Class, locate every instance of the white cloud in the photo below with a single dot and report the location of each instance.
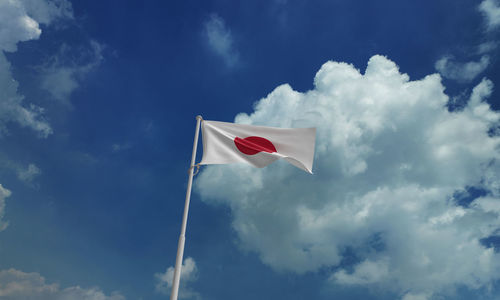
(18, 285)
(463, 72)
(12, 109)
(18, 23)
(411, 296)
(19, 19)
(47, 11)
(389, 158)
(27, 175)
(487, 47)
(189, 274)
(60, 77)
(220, 39)
(467, 71)
(4, 193)
(491, 11)
(366, 272)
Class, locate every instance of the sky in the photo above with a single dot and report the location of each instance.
(98, 101)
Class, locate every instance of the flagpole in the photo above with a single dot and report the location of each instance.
(182, 237)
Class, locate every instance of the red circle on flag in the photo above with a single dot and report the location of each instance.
(254, 144)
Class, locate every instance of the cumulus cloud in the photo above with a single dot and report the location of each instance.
(491, 11)
(18, 22)
(364, 273)
(463, 72)
(16, 25)
(189, 274)
(220, 40)
(4, 193)
(60, 76)
(18, 285)
(47, 11)
(390, 160)
(20, 19)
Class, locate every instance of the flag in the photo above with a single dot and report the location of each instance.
(225, 143)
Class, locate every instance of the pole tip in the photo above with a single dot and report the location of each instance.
(198, 117)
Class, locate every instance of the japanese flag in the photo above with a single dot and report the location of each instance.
(225, 143)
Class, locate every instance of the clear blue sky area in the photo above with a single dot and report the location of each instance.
(97, 115)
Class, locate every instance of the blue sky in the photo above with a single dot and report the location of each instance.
(97, 114)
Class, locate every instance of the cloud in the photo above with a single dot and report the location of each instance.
(467, 71)
(12, 108)
(491, 11)
(18, 285)
(61, 76)
(4, 193)
(46, 12)
(487, 47)
(18, 23)
(120, 147)
(189, 274)
(411, 296)
(390, 161)
(364, 273)
(220, 40)
(27, 175)
(462, 72)
(19, 19)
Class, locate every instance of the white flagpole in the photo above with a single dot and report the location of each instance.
(182, 237)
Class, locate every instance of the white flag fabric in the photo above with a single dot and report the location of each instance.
(225, 143)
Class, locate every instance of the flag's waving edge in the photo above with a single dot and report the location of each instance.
(225, 143)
